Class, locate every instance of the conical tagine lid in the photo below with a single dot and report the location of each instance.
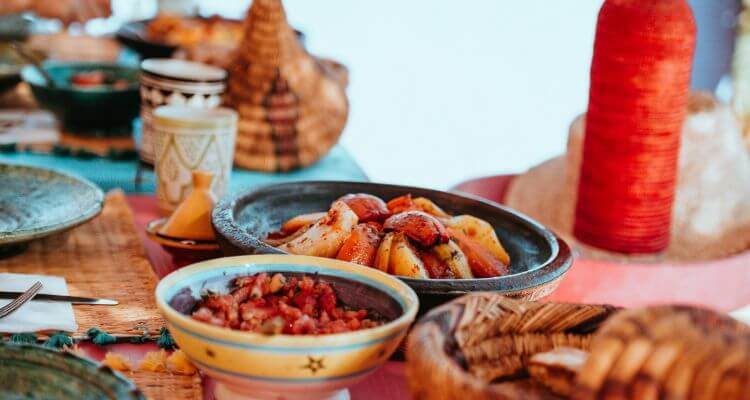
(292, 106)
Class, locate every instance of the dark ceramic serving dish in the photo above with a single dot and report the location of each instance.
(539, 258)
(34, 372)
(133, 35)
(95, 111)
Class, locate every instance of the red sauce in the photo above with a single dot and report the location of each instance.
(92, 79)
(276, 304)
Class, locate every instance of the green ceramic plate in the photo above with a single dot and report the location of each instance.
(33, 372)
(36, 202)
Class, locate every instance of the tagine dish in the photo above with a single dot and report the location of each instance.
(439, 243)
(411, 237)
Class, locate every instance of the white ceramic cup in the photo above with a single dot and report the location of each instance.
(188, 139)
(167, 81)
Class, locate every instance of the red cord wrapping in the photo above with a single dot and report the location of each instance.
(640, 75)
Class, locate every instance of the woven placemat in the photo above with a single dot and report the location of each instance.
(163, 385)
(102, 258)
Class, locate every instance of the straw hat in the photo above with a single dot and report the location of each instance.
(292, 107)
(711, 214)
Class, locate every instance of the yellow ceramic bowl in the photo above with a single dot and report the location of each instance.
(251, 365)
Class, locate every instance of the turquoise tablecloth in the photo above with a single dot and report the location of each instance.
(108, 174)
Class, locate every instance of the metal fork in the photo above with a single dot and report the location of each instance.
(20, 300)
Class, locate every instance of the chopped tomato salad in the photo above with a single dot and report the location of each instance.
(280, 305)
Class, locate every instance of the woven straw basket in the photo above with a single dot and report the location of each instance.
(292, 106)
(481, 346)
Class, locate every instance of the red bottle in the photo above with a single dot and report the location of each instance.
(640, 76)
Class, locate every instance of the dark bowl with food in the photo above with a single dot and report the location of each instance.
(538, 258)
(97, 99)
(136, 35)
(133, 35)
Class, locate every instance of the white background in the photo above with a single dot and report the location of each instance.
(442, 91)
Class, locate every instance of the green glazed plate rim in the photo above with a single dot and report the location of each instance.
(120, 387)
(28, 234)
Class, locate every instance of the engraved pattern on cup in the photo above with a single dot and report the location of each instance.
(182, 150)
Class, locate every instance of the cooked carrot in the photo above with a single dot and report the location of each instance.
(482, 262)
(402, 203)
(361, 245)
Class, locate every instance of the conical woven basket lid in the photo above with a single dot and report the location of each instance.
(292, 107)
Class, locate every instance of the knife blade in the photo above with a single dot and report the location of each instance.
(58, 297)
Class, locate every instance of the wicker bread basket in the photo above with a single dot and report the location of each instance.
(667, 352)
(456, 350)
(483, 346)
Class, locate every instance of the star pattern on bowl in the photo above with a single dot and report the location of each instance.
(314, 364)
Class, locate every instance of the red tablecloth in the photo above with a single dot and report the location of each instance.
(720, 284)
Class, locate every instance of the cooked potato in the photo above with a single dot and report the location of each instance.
(454, 258)
(301, 221)
(482, 262)
(480, 232)
(277, 239)
(325, 237)
(429, 207)
(383, 256)
(404, 260)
